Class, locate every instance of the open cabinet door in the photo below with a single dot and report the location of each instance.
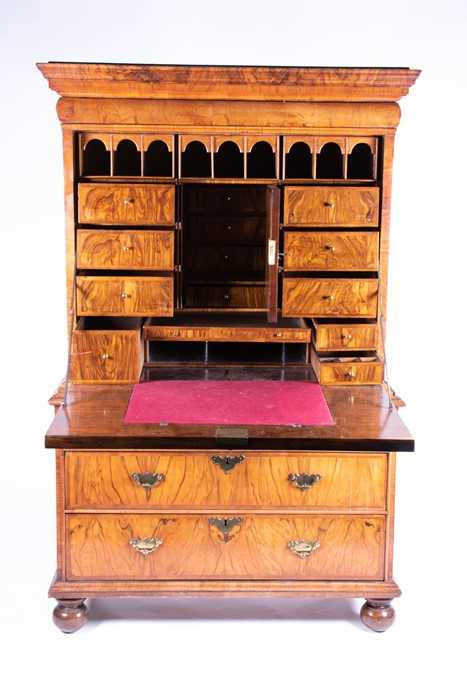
(272, 251)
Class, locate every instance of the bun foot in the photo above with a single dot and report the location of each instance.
(378, 615)
(70, 615)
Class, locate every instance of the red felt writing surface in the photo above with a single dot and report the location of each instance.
(228, 403)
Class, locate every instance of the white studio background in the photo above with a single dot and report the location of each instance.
(181, 649)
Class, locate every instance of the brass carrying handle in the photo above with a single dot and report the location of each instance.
(228, 462)
(303, 548)
(303, 481)
(148, 479)
(146, 545)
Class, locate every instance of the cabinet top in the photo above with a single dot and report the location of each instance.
(198, 82)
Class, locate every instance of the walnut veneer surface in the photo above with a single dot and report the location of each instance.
(226, 222)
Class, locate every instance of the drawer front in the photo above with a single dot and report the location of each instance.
(225, 200)
(183, 547)
(225, 296)
(351, 372)
(107, 357)
(212, 230)
(108, 204)
(362, 336)
(124, 296)
(329, 297)
(125, 250)
(331, 206)
(230, 261)
(225, 334)
(123, 480)
(330, 251)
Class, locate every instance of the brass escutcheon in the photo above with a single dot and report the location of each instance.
(225, 526)
(227, 463)
(146, 545)
(303, 481)
(303, 548)
(148, 479)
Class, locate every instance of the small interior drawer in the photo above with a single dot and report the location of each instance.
(331, 206)
(124, 250)
(106, 351)
(329, 297)
(226, 296)
(111, 204)
(124, 296)
(354, 335)
(367, 368)
(318, 250)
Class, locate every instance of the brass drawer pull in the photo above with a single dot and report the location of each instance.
(330, 247)
(327, 297)
(145, 546)
(227, 463)
(128, 200)
(329, 204)
(346, 336)
(148, 479)
(105, 356)
(303, 548)
(350, 374)
(304, 481)
(126, 248)
(226, 526)
(124, 295)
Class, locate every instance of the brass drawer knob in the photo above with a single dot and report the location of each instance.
(303, 548)
(126, 248)
(331, 248)
(346, 336)
(329, 204)
(304, 481)
(128, 200)
(148, 479)
(227, 463)
(146, 545)
(124, 296)
(327, 297)
(105, 356)
(226, 297)
(350, 374)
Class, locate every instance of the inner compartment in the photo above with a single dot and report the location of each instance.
(220, 353)
(224, 247)
(108, 323)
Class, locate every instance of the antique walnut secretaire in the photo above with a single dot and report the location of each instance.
(226, 227)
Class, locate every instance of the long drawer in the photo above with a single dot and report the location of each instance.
(134, 205)
(331, 206)
(324, 297)
(227, 334)
(177, 547)
(124, 296)
(124, 250)
(225, 480)
(318, 250)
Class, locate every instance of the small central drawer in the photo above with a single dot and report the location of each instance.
(124, 296)
(124, 250)
(324, 297)
(218, 546)
(239, 296)
(225, 480)
(111, 204)
(344, 336)
(318, 250)
(331, 206)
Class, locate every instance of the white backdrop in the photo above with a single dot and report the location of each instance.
(223, 649)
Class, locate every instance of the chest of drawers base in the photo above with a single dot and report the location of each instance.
(205, 523)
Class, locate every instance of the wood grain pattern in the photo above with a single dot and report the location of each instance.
(124, 296)
(304, 296)
(348, 336)
(112, 204)
(330, 251)
(98, 546)
(337, 371)
(231, 82)
(331, 206)
(125, 250)
(227, 334)
(105, 356)
(104, 480)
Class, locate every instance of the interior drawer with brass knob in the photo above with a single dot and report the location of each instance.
(130, 204)
(318, 250)
(329, 297)
(124, 296)
(329, 335)
(124, 250)
(331, 206)
(225, 480)
(223, 546)
(110, 352)
(362, 369)
(234, 296)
